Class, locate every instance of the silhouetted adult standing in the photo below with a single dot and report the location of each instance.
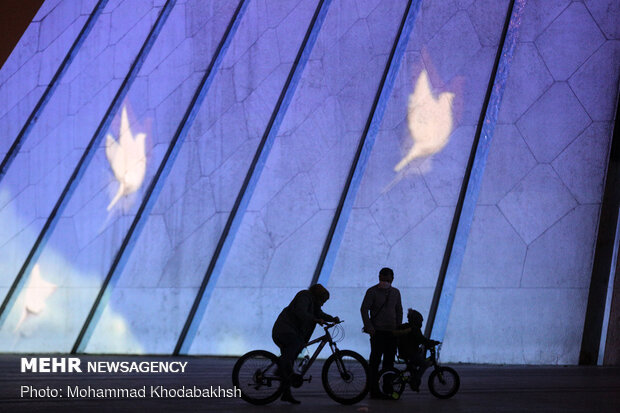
(294, 327)
(382, 313)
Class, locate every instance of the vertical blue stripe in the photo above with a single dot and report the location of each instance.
(82, 165)
(51, 87)
(190, 329)
(332, 244)
(475, 180)
(609, 295)
(157, 183)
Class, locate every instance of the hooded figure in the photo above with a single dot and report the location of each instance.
(294, 327)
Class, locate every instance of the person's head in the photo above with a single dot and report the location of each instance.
(386, 275)
(414, 317)
(320, 293)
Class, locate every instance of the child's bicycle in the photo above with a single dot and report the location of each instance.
(344, 373)
(443, 382)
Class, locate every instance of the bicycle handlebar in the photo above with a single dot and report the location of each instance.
(331, 324)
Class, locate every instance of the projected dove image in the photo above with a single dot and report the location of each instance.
(35, 295)
(429, 120)
(127, 159)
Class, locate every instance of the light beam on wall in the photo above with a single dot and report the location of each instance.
(127, 159)
(429, 120)
(35, 295)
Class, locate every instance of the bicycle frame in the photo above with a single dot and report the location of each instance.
(431, 361)
(323, 340)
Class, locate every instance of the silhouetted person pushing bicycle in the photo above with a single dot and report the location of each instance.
(382, 313)
(294, 327)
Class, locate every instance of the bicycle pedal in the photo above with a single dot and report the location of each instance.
(309, 379)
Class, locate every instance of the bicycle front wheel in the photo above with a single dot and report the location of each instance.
(345, 377)
(444, 382)
(256, 375)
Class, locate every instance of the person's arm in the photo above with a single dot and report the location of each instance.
(420, 338)
(402, 332)
(365, 309)
(399, 310)
(320, 315)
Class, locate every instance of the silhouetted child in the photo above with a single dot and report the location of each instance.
(410, 338)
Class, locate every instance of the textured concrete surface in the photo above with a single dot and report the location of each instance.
(545, 177)
(523, 287)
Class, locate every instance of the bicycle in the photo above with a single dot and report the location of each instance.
(443, 381)
(344, 373)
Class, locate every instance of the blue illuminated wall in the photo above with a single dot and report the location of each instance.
(523, 285)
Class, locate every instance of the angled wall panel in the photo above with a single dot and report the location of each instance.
(288, 218)
(171, 257)
(92, 227)
(407, 197)
(528, 261)
(50, 153)
(35, 59)
(523, 286)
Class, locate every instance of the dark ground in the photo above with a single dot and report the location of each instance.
(483, 389)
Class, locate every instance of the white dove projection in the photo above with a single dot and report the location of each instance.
(35, 295)
(127, 158)
(429, 120)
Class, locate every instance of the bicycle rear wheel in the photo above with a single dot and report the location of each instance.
(444, 382)
(391, 383)
(256, 375)
(344, 377)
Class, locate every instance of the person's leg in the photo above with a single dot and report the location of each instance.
(378, 349)
(290, 346)
(373, 362)
(388, 348)
(389, 352)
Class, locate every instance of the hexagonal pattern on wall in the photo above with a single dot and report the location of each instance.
(523, 285)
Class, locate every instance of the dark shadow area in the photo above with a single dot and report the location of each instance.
(15, 15)
(483, 389)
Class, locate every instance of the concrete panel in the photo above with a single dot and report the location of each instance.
(414, 245)
(565, 50)
(434, 15)
(495, 253)
(446, 48)
(595, 83)
(57, 320)
(195, 215)
(444, 172)
(582, 165)
(486, 17)
(403, 207)
(410, 254)
(536, 203)
(345, 74)
(553, 122)
(562, 256)
(362, 253)
(529, 78)
(538, 15)
(299, 251)
(55, 143)
(606, 14)
(515, 326)
(509, 161)
(134, 332)
(132, 151)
